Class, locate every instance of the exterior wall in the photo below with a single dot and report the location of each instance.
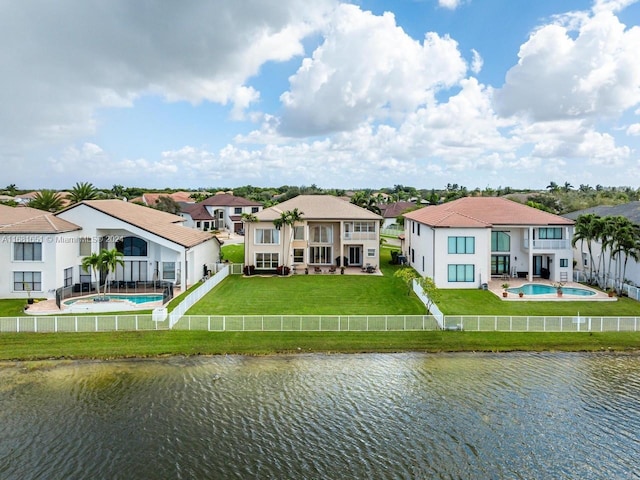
(581, 253)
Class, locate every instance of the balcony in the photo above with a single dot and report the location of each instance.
(547, 244)
(348, 236)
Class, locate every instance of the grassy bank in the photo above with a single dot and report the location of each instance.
(39, 346)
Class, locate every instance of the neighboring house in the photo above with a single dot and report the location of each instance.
(391, 212)
(331, 232)
(222, 211)
(466, 242)
(38, 252)
(630, 211)
(155, 244)
(41, 252)
(150, 199)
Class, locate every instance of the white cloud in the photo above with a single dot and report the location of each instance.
(477, 62)
(634, 130)
(450, 4)
(367, 68)
(562, 77)
(611, 5)
(69, 58)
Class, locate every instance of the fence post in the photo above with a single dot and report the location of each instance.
(76, 324)
(35, 324)
(96, 321)
(618, 323)
(116, 323)
(55, 324)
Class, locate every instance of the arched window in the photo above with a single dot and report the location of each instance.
(132, 247)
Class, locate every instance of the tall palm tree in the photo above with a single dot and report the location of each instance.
(47, 200)
(82, 191)
(93, 263)
(109, 260)
(247, 220)
(630, 247)
(585, 231)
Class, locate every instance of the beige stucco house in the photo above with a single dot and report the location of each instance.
(332, 232)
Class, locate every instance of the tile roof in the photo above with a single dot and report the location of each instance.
(151, 198)
(228, 200)
(31, 220)
(162, 224)
(485, 212)
(197, 212)
(395, 209)
(319, 207)
(630, 210)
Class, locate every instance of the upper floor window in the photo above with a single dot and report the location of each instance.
(27, 251)
(267, 236)
(500, 242)
(321, 234)
(85, 247)
(255, 209)
(564, 262)
(132, 247)
(369, 227)
(237, 210)
(551, 233)
(462, 245)
(298, 232)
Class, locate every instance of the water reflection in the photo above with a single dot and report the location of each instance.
(318, 416)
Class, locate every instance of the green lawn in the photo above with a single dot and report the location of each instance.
(233, 252)
(482, 302)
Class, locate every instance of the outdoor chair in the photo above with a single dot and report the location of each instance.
(332, 269)
(317, 270)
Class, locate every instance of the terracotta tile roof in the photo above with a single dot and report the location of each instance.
(484, 212)
(197, 212)
(229, 200)
(319, 207)
(31, 220)
(151, 198)
(395, 209)
(162, 224)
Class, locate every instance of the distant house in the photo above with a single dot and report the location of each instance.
(150, 199)
(391, 212)
(332, 232)
(466, 242)
(222, 211)
(630, 211)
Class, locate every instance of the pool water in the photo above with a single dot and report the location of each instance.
(137, 299)
(538, 289)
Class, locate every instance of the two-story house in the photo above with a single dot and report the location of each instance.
(331, 232)
(222, 211)
(469, 241)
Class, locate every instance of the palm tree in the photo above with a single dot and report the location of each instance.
(167, 204)
(553, 187)
(82, 191)
(585, 231)
(247, 219)
(47, 200)
(109, 260)
(630, 247)
(93, 263)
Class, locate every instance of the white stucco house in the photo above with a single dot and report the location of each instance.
(222, 211)
(41, 252)
(469, 241)
(332, 232)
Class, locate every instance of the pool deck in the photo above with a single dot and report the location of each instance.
(495, 286)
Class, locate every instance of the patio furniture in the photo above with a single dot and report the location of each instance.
(332, 269)
(317, 270)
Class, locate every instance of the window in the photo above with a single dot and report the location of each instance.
(298, 233)
(321, 255)
(267, 236)
(418, 229)
(564, 262)
(85, 247)
(371, 252)
(500, 242)
(550, 233)
(27, 251)
(132, 247)
(462, 245)
(267, 261)
(197, 224)
(85, 275)
(413, 227)
(365, 227)
(220, 214)
(461, 273)
(27, 281)
(255, 209)
(237, 210)
(68, 276)
(585, 260)
(169, 270)
(298, 255)
(321, 234)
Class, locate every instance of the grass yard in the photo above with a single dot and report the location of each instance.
(483, 302)
(233, 252)
(313, 295)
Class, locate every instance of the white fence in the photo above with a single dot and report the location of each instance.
(81, 323)
(504, 323)
(197, 295)
(631, 291)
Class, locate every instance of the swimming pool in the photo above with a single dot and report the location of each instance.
(541, 289)
(137, 299)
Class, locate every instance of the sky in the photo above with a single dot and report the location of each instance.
(360, 94)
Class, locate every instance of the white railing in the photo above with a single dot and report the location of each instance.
(508, 323)
(432, 307)
(547, 244)
(197, 295)
(360, 236)
(81, 323)
(391, 232)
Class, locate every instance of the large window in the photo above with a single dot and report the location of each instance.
(321, 255)
(27, 251)
(298, 232)
(462, 245)
(461, 273)
(321, 234)
(132, 247)
(550, 233)
(267, 236)
(27, 281)
(169, 270)
(85, 247)
(500, 242)
(369, 227)
(267, 261)
(68, 276)
(237, 210)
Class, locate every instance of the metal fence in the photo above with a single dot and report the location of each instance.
(503, 323)
(631, 291)
(82, 323)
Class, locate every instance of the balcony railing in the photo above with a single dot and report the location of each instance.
(547, 244)
(359, 236)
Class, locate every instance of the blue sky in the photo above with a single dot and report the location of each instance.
(482, 93)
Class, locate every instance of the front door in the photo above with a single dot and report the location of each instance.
(355, 255)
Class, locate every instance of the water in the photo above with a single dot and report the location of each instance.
(538, 289)
(138, 299)
(395, 416)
